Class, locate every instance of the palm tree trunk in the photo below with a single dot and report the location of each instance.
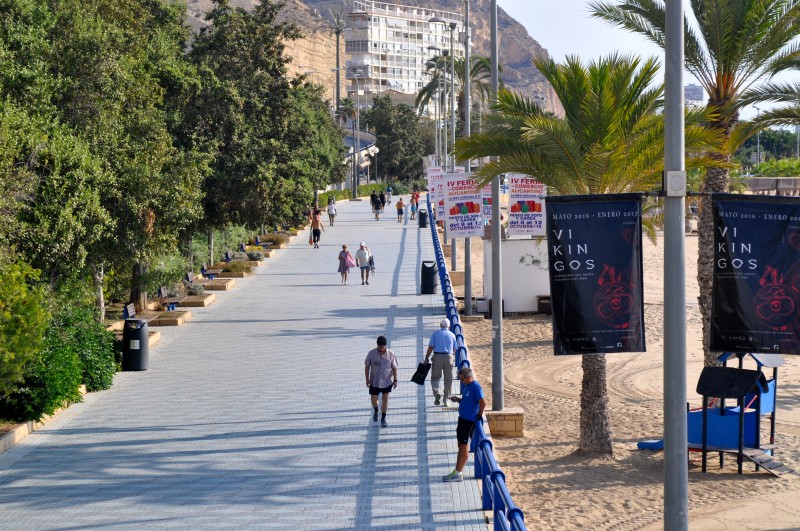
(595, 426)
(716, 181)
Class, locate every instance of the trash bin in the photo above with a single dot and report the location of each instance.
(428, 280)
(423, 219)
(135, 345)
(543, 304)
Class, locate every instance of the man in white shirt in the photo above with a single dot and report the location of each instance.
(362, 261)
(380, 372)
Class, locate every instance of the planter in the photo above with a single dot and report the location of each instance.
(175, 318)
(198, 301)
(232, 274)
(218, 284)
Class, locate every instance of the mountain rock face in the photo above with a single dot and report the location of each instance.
(517, 48)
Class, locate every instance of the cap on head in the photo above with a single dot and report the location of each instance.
(381, 340)
(445, 323)
(363, 244)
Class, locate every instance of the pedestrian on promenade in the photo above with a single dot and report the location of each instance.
(380, 371)
(346, 261)
(331, 212)
(362, 261)
(470, 411)
(316, 228)
(375, 203)
(414, 207)
(382, 198)
(443, 346)
(389, 194)
(400, 206)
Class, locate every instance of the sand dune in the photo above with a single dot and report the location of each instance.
(558, 490)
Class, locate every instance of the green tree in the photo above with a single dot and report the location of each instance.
(398, 137)
(734, 44)
(23, 320)
(608, 142)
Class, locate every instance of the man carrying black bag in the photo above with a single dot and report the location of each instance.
(443, 347)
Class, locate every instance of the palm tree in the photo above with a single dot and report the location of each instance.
(480, 81)
(610, 141)
(337, 24)
(735, 44)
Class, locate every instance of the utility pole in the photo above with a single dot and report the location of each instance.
(467, 163)
(497, 278)
(676, 455)
(453, 25)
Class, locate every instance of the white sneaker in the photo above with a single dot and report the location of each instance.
(453, 476)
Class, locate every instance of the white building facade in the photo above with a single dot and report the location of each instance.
(389, 44)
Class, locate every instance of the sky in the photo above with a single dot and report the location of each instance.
(564, 27)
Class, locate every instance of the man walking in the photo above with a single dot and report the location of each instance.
(443, 346)
(362, 261)
(470, 412)
(316, 228)
(380, 371)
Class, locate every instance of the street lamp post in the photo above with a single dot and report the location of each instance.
(758, 139)
(453, 253)
(467, 163)
(356, 139)
(497, 279)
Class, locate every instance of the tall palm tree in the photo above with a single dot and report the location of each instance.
(439, 67)
(337, 24)
(610, 141)
(735, 44)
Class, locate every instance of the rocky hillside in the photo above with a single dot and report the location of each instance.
(517, 48)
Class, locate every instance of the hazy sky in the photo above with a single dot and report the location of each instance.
(564, 27)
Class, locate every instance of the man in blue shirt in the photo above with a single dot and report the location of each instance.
(470, 411)
(443, 346)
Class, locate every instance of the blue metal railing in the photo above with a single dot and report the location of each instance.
(495, 495)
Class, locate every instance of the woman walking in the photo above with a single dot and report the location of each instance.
(346, 261)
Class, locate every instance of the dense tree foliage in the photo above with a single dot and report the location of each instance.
(118, 142)
(399, 137)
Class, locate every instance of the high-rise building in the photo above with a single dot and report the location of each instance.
(389, 44)
(694, 93)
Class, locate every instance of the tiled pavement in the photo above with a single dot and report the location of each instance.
(254, 414)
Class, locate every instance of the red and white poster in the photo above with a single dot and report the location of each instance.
(463, 215)
(486, 201)
(526, 208)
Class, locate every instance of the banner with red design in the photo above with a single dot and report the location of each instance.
(756, 292)
(595, 262)
(525, 205)
(462, 206)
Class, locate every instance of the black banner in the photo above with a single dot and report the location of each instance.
(595, 262)
(756, 291)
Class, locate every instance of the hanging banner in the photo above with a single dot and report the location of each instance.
(756, 290)
(595, 263)
(462, 207)
(486, 201)
(526, 209)
(430, 173)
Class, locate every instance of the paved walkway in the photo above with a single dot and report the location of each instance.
(254, 414)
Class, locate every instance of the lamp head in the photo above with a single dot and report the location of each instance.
(437, 20)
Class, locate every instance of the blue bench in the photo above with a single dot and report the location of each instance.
(210, 274)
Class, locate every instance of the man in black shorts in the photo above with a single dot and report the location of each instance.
(470, 410)
(380, 371)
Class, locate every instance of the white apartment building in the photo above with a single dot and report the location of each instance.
(389, 44)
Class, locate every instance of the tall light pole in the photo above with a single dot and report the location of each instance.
(467, 163)
(453, 248)
(432, 64)
(497, 279)
(356, 139)
(676, 455)
(445, 120)
(758, 139)
(436, 49)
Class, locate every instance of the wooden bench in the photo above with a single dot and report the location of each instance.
(216, 284)
(263, 245)
(170, 303)
(210, 274)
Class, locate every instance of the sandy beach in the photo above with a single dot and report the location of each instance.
(557, 490)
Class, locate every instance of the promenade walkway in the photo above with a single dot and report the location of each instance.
(254, 415)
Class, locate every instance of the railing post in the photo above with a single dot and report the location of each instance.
(497, 497)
